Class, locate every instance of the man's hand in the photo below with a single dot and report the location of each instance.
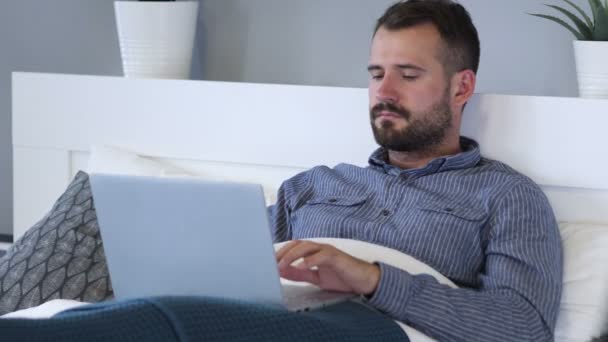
(327, 267)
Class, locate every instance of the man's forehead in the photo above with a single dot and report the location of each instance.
(416, 44)
(420, 32)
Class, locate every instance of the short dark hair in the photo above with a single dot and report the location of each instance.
(451, 20)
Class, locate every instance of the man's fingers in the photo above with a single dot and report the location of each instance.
(294, 274)
(300, 250)
(317, 259)
(281, 252)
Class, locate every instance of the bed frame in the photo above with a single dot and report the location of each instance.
(265, 133)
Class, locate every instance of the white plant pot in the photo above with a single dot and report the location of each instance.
(156, 38)
(592, 68)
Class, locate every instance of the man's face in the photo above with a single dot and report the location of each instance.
(409, 93)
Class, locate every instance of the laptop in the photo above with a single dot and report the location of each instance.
(167, 236)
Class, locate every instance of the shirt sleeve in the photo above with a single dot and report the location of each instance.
(520, 285)
(291, 193)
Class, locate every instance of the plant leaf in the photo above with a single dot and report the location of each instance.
(600, 15)
(577, 34)
(583, 14)
(582, 27)
(600, 31)
(595, 8)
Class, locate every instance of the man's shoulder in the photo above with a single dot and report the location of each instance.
(325, 173)
(339, 169)
(505, 172)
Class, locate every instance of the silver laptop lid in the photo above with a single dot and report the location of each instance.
(181, 236)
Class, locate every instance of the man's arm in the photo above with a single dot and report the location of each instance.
(520, 285)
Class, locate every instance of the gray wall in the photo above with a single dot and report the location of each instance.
(63, 36)
(326, 42)
(313, 42)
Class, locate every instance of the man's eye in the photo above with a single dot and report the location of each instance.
(377, 77)
(410, 77)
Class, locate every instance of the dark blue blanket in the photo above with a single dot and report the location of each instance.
(204, 319)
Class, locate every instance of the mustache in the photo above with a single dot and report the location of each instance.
(389, 107)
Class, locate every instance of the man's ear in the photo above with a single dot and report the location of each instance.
(463, 87)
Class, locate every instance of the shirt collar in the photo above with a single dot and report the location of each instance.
(469, 157)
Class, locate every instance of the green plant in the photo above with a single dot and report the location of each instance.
(584, 28)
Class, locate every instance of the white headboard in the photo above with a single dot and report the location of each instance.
(266, 133)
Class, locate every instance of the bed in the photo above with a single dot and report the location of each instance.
(189, 127)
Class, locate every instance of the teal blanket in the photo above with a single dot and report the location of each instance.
(204, 319)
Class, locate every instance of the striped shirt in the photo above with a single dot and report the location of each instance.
(486, 227)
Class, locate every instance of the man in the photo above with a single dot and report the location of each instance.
(428, 193)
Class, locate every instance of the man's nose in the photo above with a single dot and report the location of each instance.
(387, 90)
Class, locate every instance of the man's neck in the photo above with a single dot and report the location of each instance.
(416, 160)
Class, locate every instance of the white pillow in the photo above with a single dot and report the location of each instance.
(583, 311)
(371, 252)
(114, 160)
(107, 159)
(45, 310)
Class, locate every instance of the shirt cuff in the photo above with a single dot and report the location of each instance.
(395, 288)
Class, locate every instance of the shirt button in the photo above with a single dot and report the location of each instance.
(385, 212)
(332, 200)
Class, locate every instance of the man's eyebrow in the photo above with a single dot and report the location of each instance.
(410, 66)
(374, 67)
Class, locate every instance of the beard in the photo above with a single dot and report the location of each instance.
(423, 134)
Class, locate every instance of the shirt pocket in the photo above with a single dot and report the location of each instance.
(448, 210)
(451, 235)
(328, 216)
(338, 201)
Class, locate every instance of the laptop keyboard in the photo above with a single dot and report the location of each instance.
(307, 297)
